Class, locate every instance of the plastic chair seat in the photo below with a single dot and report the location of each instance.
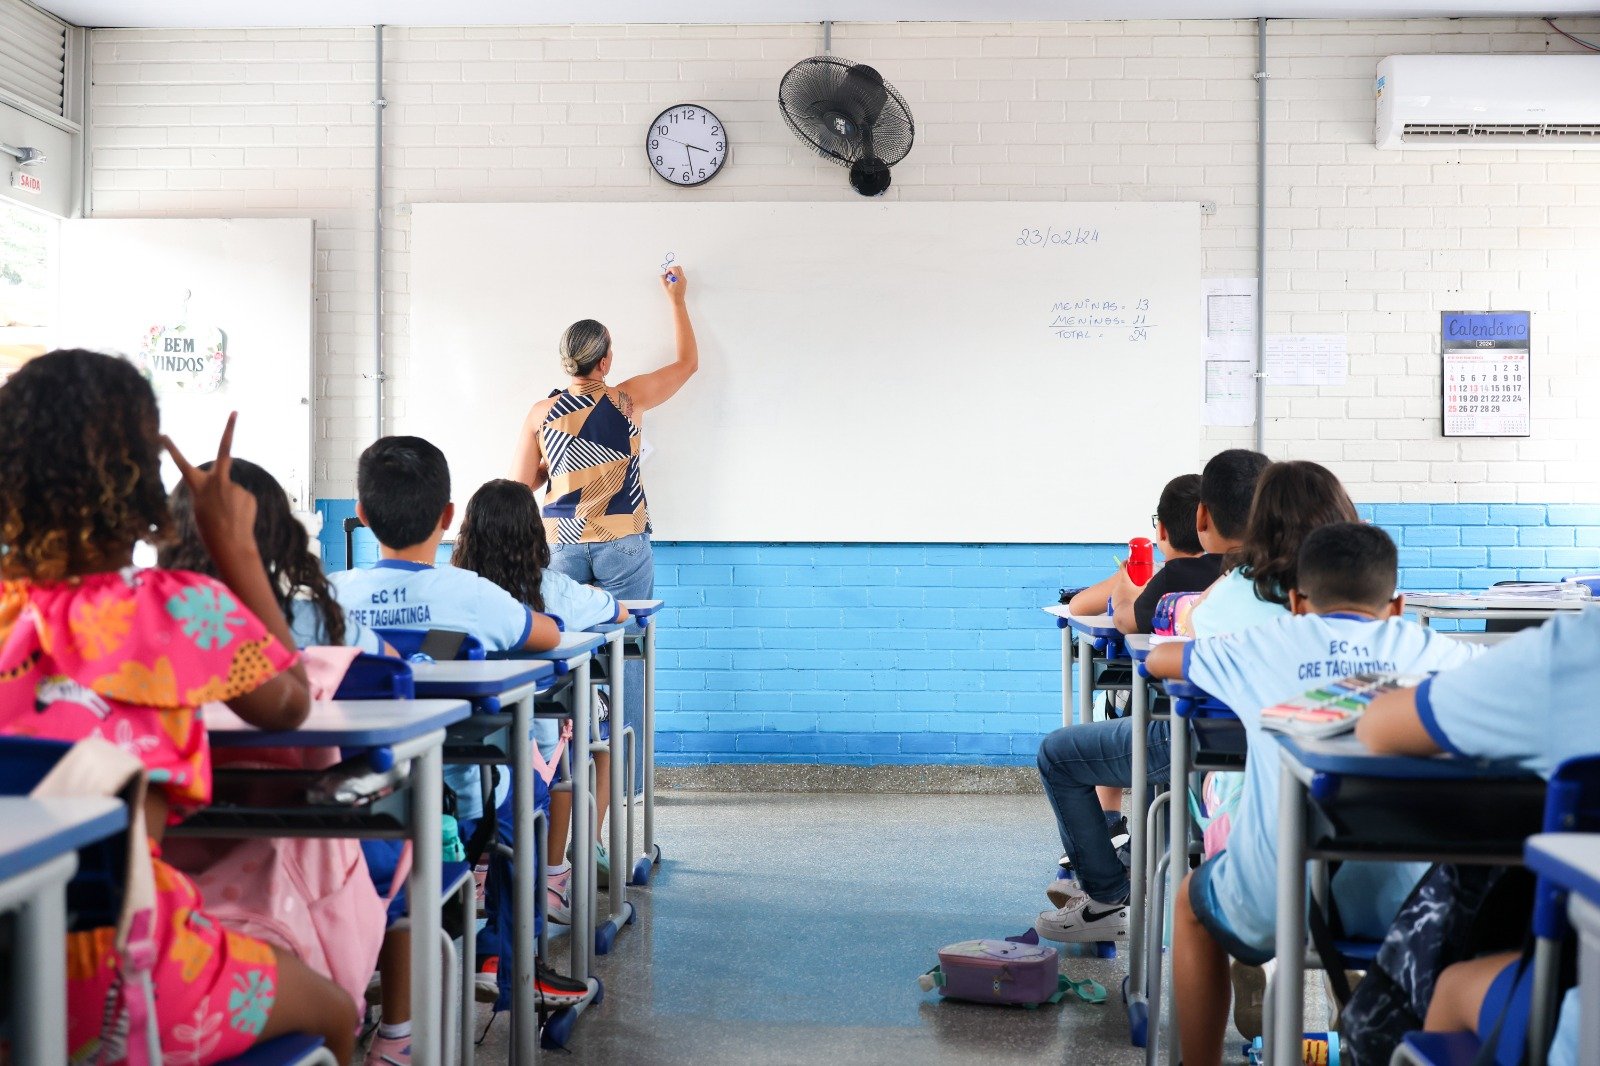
(1440, 1049)
(295, 1049)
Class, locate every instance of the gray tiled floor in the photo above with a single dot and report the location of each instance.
(787, 928)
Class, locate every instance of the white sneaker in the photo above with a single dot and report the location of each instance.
(1061, 891)
(1082, 920)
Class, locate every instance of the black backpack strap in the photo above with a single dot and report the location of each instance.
(1332, 958)
(484, 833)
(1489, 1049)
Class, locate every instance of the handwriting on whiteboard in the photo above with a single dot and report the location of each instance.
(1052, 237)
(1096, 319)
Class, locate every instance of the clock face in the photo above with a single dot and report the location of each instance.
(687, 145)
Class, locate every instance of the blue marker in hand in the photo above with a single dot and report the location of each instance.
(667, 266)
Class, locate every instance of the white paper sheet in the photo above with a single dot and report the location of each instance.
(1228, 307)
(1307, 359)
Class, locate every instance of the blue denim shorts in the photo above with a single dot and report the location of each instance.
(1203, 901)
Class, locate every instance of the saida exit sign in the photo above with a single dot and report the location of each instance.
(30, 183)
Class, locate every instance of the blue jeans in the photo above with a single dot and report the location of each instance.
(1072, 761)
(625, 568)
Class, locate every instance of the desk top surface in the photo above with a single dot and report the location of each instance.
(341, 723)
(1468, 604)
(572, 646)
(35, 831)
(465, 679)
(1571, 860)
(642, 608)
(1094, 625)
(1347, 756)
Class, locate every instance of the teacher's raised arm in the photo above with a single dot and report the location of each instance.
(586, 354)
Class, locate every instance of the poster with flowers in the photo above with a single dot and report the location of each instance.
(184, 358)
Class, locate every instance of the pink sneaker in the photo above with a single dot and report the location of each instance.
(556, 906)
(388, 1051)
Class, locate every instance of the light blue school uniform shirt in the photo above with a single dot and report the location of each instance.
(309, 631)
(575, 606)
(1232, 605)
(1265, 665)
(1529, 699)
(1564, 1045)
(396, 594)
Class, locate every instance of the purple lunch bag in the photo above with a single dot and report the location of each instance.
(1008, 972)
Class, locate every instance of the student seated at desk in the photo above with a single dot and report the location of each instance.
(315, 619)
(502, 538)
(91, 646)
(1346, 619)
(1084, 767)
(1529, 700)
(303, 592)
(1187, 566)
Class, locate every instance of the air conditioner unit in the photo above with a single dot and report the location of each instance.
(1493, 101)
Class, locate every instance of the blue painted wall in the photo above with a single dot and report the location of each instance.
(935, 653)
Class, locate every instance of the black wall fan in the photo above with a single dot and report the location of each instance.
(848, 113)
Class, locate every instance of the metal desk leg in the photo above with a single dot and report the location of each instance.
(1289, 983)
(1544, 1000)
(1085, 680)
(582, 833)
(1134, 996)
(39, 963)
(620, 911)
(423, 890)
(524, 859)
(468, 1006)
(652, 853)
(1068, 649)
(1178, 847)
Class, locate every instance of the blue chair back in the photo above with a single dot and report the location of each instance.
(94, 895)
(1571, 805)
(377, 677)
(409, 641)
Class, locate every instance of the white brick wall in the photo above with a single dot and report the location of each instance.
(1370, 244)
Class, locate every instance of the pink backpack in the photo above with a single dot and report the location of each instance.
(313, 898)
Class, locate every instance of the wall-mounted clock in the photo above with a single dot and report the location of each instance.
(687, 145)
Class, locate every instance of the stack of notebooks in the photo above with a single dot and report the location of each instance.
(1333, 708)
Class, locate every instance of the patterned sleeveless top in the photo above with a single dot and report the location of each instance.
(591, 450)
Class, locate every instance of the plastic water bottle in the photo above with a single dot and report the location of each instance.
(1141, 560)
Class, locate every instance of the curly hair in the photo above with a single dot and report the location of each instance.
(502, 538)
(80, 466)
(284, 544)
(1292, 498)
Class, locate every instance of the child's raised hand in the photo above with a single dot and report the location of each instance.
(224, 512)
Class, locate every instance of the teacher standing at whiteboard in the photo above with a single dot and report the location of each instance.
(583, 441)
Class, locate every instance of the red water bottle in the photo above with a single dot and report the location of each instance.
(1141, 560)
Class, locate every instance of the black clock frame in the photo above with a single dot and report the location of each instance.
(726, 155)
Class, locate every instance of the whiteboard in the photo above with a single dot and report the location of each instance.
(957, 372)
(249, 280)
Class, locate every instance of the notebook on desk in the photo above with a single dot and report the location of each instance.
(1333, 708)
(1564, 595)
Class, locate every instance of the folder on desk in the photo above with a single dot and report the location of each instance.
(1333, 708)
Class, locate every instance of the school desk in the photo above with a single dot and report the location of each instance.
(39, 843)
(644, 612)
(618, 744)
(1571, 861)
(393, 790)
(500, 731)
(1337, 800)
(1485, 607)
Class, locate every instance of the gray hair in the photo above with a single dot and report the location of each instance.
(583, 345)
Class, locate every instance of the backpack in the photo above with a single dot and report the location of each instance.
(1455, 913)
(1020, 972)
